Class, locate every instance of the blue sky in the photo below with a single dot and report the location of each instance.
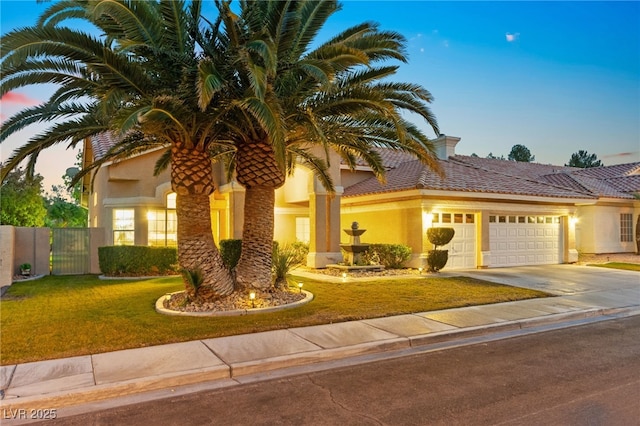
(556, 77)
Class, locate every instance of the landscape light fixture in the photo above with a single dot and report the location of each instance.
(344, 275)
(252, 296)
(300, 287)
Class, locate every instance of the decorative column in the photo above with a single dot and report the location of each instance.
(324, 219)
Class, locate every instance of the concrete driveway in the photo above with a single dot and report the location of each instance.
(585, 283)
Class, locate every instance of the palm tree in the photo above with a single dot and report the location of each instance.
(331, 97)
(141, 81)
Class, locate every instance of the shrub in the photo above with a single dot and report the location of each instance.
(230, 251)
(392, 256)
(285, 258)
(132, 261)
(436, 259)
(193, 277)
(440, 236)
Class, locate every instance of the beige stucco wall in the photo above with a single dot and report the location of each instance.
(598, 228)
(393, 222)
(7, 254)
(32, 246)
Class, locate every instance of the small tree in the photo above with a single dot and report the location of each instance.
(521, 153)
(62, 213)
(21, 202)
(584, 160)
(437, 259)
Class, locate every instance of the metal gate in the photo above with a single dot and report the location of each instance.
(70, 251)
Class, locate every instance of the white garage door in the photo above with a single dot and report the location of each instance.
(525, 240)
(462, 248)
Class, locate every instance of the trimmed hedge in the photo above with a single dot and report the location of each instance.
(392, 256)
(135, 261)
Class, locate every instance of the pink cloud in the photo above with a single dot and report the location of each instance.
(512, 37)
(19, 99)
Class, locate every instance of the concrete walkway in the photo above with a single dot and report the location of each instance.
(583, 293)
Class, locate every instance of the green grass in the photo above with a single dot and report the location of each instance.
(57, 317)
(618, 265)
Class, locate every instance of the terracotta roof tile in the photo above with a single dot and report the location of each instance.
(459, 177)
(483, 175)
(101, 144)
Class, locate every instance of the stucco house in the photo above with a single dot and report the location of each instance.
(505, 213)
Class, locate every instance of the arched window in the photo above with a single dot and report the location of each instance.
(163, 224)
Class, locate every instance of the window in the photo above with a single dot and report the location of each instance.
(446, 217)
(626, 227)
(457, 218)
(470, 218)
(163, 224)
(123, 227)
(303, 229)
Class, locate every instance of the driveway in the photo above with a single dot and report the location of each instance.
(587, 282)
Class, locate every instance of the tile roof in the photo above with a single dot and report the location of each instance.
(483, 175)
(101, 144)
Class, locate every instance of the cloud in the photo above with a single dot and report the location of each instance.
(512, 37)
(445, 43)
(19, 99)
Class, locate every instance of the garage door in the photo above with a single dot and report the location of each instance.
(462, 248)
(525, 240)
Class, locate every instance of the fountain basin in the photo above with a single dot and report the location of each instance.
(354, 248)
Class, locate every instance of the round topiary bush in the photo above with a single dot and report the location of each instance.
(440, 236)
(436, 259)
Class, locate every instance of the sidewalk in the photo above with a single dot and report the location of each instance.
(582, 293)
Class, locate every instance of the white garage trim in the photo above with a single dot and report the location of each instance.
(525, 240)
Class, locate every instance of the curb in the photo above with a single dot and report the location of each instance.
(238, 312)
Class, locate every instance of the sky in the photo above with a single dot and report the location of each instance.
(557, 77)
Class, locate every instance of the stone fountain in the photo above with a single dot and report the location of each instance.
(354, 250)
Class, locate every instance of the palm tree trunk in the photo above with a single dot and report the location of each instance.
(254, 266)
(191, 177)
(257, 170)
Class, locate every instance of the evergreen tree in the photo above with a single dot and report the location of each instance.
(584, 160)
(521, 153)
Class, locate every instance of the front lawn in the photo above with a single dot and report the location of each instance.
(63, 316)
(618, 265)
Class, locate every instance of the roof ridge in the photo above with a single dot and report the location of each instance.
(526, 178)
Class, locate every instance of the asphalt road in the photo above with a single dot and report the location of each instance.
(587, 375)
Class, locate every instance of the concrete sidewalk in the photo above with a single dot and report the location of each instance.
(582, 293)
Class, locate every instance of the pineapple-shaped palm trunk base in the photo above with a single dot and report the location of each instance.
(258, 171)
(191, 175)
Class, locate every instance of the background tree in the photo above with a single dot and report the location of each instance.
(521, 153)
(63, 202)
(21, 202)
(63, 212)
(584, 160)
(494, 157)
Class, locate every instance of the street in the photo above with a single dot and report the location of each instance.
(586, 375)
